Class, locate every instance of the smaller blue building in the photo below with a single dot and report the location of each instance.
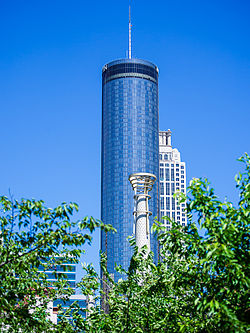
(65, 305)
(67, 271)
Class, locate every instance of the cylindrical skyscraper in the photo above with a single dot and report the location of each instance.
(130, 134)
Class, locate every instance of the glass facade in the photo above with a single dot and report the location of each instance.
(67, 270)
(129, 145)
(65, 304)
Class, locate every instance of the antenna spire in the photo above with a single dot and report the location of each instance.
(129, 34)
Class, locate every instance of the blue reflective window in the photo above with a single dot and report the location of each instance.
(162, 188)
(161, 173)
(167, 189)
(64, 275)
(162, 203)
(172, 188)
(173, 203)
(167, 203)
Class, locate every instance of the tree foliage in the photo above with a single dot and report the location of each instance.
(201, 283)
(34, 236)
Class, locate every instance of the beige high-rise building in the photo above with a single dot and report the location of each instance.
(172, 178)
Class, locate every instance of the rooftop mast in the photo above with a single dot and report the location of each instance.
(129, 37)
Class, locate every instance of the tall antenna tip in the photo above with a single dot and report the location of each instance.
(129, 34)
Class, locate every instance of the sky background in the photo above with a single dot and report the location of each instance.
(51, 57)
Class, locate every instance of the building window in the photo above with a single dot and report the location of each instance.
(162, 188)
(160, 157)
(161, 174)
(162, 203)
(166, 157)
(167, 189)
(173, 204)
(167, 203)
(172, 188)
(182, 166)
(172, 174)
(182, 180)
(161, 164)
(173, 216)
(167, 174)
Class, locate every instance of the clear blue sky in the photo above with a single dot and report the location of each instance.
(51, 56)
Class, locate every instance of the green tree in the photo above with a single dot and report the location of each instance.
(31, 236)
(201, 283)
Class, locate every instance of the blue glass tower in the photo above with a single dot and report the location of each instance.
(130, 134)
